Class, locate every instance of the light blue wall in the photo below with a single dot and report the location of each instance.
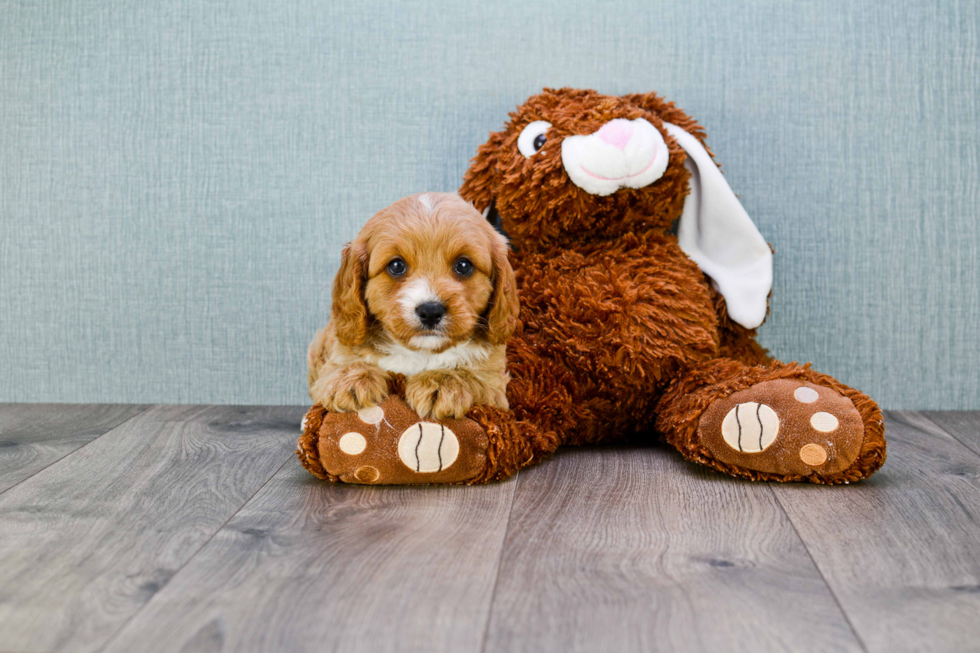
(177, 178)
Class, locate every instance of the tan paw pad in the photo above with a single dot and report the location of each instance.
(367, 474)
(813, 455)
(352, 443)
(426, 447)
(371, 415)
(824, 422)
(783, 426)
(806, 395)
(750, 427)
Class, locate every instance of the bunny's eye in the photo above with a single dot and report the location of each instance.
(533, 138)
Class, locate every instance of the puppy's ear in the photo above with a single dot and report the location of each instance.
(349, 308)
(504, 312)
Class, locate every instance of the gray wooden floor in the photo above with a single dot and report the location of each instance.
(193, 528)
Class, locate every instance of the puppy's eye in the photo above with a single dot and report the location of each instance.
(463, 267)
(397, 267)
(533, 138)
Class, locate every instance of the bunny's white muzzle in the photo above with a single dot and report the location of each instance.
(622, 154)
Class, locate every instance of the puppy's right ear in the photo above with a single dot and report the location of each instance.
(349, 308)
(504, 313)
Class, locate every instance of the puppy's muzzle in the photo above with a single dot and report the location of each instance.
(430, 314)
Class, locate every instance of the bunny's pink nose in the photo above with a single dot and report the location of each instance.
(617, 132)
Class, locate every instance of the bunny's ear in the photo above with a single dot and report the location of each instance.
(718, 235)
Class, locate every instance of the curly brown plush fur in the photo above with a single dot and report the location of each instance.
(623, 335)
(612, 309)
(688, 398)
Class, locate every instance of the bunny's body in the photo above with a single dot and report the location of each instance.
(606, 328)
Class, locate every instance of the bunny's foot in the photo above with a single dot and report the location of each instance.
(778, 422)
(389, 444)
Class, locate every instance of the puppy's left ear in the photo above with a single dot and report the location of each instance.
(349, 308)
(718, 235)
(504, 312)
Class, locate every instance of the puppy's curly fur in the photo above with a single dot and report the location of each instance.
(424, 250)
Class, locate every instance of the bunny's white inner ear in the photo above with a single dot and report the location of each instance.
(718, 235)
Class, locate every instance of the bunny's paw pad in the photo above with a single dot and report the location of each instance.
(786, 426)
(389, 444)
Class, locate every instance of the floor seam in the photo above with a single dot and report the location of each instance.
(76, 450)
(833, 594)
(500, 559)
(943, 429)
(191, 557)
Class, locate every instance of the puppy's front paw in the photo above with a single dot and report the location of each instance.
(439, 395)
(351, 388)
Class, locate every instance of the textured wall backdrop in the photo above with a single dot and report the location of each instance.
(177, 178)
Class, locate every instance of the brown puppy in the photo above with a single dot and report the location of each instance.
(426, 291)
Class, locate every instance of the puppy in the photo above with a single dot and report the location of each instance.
(425, 290)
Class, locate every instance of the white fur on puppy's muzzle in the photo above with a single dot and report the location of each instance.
(416, 293)
(622, 154)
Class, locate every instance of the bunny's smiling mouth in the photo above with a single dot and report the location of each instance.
(635, 174)
(621, 154)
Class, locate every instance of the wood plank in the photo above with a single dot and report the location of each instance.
(85, 543)
(32, 436)
(962, 425)
(633, 549)
(310, 566)
(901, 551)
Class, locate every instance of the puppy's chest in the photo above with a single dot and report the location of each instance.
(402, 360)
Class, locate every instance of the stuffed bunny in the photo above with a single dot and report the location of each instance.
(629, 330)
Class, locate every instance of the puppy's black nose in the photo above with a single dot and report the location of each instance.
(430, 313)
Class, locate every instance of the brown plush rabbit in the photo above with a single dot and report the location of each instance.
(628, 329)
